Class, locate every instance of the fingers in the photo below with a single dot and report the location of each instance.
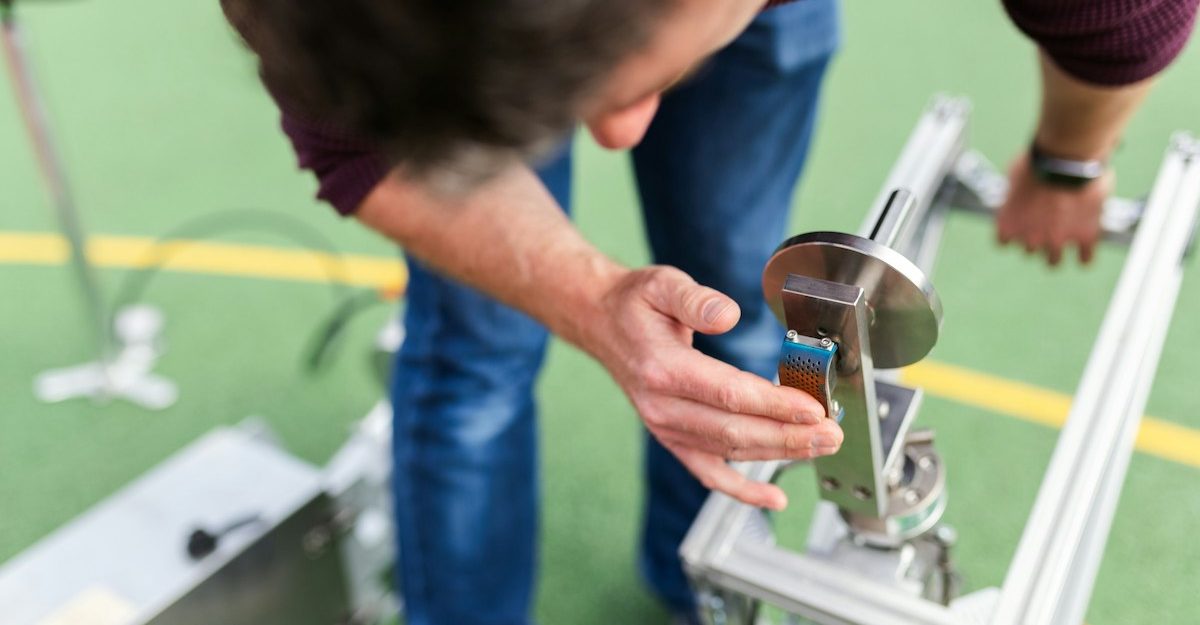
(714, 383)
(1087, 243)
(1053, 245)
(1048, 220)
(737, 437)
(697, 307)
(1006, 229)
(1087, 252)
(1054, 254)
(714, 474)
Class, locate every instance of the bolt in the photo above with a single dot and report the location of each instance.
(826, 342)
(793, 336)
(946, 535)
(316, 540)
(885, 408)
(911, 496)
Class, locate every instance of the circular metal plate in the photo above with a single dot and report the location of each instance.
(904, 311)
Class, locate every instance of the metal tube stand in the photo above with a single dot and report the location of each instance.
(126, 349)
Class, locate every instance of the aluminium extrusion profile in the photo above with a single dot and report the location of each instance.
(1054, 568)
(730, 551)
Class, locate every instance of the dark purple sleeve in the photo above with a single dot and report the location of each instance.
(346, 167)
(1107, 42)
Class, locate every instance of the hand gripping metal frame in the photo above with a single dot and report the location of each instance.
(876, 553)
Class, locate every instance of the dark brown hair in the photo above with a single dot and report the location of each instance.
(460, 85)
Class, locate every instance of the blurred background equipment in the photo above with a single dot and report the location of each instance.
(126, 344)
(877, 552)
(233, 530)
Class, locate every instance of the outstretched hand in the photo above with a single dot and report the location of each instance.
(703, 410)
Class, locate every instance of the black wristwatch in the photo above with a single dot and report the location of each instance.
(1064, 172)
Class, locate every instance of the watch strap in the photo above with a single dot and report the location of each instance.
(1064, 172)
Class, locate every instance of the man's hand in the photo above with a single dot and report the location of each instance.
(1079, 121)
(1050, 219)
(703, 410)
(510, 240)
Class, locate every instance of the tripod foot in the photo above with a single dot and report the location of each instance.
(127, 376)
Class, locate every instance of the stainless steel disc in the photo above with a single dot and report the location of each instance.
(906, 312)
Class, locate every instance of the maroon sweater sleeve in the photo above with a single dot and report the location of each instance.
(346, 167)
(1107, 42)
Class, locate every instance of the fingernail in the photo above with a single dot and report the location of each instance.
(821, 452)
(714, 309)
(821, 441)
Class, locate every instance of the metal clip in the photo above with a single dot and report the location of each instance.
(807, 364)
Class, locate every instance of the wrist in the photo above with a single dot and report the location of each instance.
(582, 314)
(1061, 170)
(1074, 145)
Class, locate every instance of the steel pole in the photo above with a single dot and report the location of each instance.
(34, 115)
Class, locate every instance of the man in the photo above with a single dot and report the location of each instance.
(419, 118)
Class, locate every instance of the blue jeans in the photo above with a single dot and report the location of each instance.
(716, 173)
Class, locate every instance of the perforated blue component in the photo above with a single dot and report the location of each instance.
(807, 365)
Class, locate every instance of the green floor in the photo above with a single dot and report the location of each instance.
(162, 120)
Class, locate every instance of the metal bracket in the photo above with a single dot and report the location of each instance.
(852, 477)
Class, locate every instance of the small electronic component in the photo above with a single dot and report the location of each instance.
(807, 364)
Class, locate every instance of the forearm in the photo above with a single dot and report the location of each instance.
(1080, 120)
(1098, 58)
(507, 238)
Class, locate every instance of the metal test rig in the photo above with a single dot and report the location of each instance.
(856, 307)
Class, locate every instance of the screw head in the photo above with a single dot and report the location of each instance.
(793, 335)
(946, 535)
(826, 342)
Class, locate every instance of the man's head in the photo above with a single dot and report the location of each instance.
(469, 86)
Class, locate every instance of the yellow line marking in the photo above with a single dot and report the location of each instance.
(1006, 397)
(205, 257)
(1044, 407)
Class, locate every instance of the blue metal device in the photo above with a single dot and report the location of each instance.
(808, 364)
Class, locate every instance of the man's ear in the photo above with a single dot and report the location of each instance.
(623, 129)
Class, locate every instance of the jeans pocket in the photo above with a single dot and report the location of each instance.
(793, 36)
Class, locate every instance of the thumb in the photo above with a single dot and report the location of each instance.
(702, 309)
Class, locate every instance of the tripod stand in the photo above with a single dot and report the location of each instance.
(127, 346)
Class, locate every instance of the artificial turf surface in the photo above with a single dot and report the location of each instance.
(161, 120)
